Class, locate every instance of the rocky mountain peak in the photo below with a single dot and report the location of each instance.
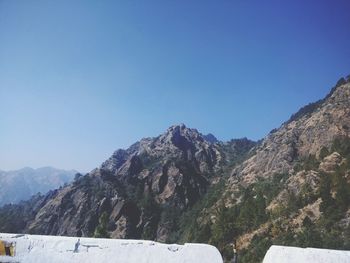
(170, 172)
(177, 142)
(177, 133)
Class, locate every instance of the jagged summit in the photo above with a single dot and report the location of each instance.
(180, 126)
(137, 188)
(177, 141)
(183, 129)
(174, 132)
(177, 134)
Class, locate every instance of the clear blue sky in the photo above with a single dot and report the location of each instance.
(79, 79)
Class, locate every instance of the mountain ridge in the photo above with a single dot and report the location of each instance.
(170, 171)
(288, 182)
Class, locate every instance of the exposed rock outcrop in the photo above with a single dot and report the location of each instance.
(137, 187)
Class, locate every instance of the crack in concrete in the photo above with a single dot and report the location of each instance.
(76, 246)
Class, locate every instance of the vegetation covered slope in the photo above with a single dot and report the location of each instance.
(294, 189)
(309, 207)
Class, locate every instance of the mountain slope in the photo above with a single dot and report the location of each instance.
(137, 192)
(22, 184)
(295, 186)
(301, 137)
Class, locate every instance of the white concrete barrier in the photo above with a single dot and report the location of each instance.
(282, 254)
(58, 249)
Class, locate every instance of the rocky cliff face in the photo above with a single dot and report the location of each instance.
(137, 189)
(180, 158)
(175, 167)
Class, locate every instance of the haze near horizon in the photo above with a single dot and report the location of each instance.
(80, 79)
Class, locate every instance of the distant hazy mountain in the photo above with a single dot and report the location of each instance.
(22, 184)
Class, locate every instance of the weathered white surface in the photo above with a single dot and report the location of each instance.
(281, 254)
(57, 249)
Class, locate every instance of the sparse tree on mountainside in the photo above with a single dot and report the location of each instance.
(101, 229)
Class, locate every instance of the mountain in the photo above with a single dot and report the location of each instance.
(294, 190)
(136, 193)
(290, 188)
(21, 184)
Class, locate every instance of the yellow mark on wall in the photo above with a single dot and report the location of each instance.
(7, 248)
